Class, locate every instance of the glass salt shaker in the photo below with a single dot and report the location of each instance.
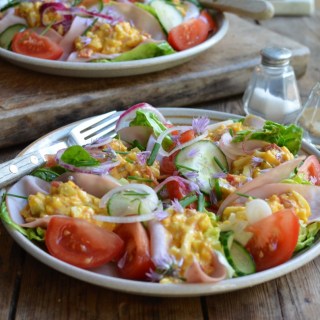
(309, 118)
(272, 92)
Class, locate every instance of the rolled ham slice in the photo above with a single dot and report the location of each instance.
(274, 175)
(24, 187)
(11, 19)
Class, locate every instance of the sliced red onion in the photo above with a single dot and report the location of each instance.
(107, 18)
(125, 219)
(130, 114)
(61, 10)
(179, 179)
(103, 168)
(10, 19)
(138, 133)
(180, 146)
(192, 11)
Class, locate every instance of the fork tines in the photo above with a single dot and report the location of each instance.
(93, 129)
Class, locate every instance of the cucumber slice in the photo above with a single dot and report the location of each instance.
(167, 14)
(237, 255)
(131, 202)
(7, 35)
(205, 159)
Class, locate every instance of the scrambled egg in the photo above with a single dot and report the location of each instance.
(108, 39)
(192, 236)
(65, 199)
(129, 166)
(269, 157)
(30, 12)
(291, 199)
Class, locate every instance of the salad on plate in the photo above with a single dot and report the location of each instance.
(173, 204)
(103, 30)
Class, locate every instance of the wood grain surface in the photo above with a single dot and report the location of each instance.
(31, 290)
(29, 99)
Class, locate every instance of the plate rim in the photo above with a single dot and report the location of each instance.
(118, 69)
(156, 289)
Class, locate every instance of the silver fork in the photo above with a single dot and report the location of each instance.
(85, 133)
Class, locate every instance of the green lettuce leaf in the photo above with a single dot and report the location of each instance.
(289, 136)
(145, 51)
(37, 234)
(149, 119)
(307, 235)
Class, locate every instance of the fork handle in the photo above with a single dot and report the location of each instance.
(16, 168)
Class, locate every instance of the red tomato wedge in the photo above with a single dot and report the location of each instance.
(136, 261)
(188, 34)
(206, 16)
(186, 136)
(31, 44)
(311, 169)
(175, 190)
(274, 239)
(81, 243)
(167, 165)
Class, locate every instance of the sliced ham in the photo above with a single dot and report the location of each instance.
(310, 192)
(195, 274)
(274, 175)
(10, 19)
(95, 185)
(24, 187)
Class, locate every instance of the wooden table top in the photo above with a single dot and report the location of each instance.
(32, 290)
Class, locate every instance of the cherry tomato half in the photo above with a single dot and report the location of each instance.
(274, 239)
(311, 169)
(188, 34)
(31, 44)
(81, 243)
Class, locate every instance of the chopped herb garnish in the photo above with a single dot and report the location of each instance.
(153, 154)
(16, 196)
(220, 165)
(217, 189)
(129, 160)
(137, 144)
(135, 193)
(139, 179)
(245, 195)
(180, 166)
(188, 200)
(201, 203)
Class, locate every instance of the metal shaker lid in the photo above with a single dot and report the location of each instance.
(274, 56)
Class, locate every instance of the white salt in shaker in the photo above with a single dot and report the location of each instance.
(272, 92)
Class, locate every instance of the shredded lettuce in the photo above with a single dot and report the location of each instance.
(37, 234)
(289, 136)
(307, 235)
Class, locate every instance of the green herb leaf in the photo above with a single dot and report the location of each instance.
(79, 157)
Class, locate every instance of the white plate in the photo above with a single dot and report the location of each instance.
(116, 69)
(102, 276)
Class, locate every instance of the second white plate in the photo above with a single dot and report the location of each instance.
(117, 69)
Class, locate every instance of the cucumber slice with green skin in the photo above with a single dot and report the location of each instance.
(168, 15)
(237, 255)
(131, 202)
(7, 35)
(203, 158)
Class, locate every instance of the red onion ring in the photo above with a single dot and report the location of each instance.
(130, 114)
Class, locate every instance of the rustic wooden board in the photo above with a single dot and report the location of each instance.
(32, 104)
